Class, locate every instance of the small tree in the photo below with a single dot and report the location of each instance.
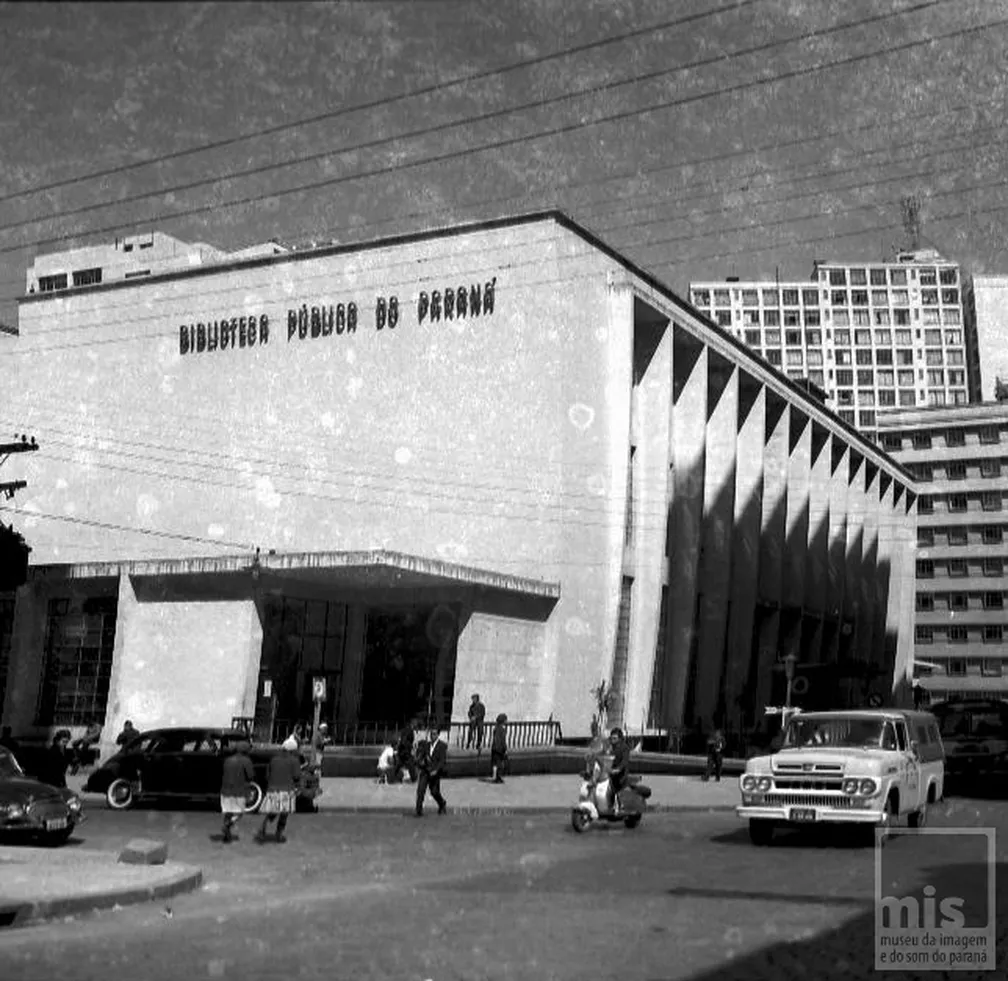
(604, 699)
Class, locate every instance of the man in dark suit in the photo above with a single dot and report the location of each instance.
(431, 758)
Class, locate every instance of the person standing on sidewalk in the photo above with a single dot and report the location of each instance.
(236, 782)
(715, 756)
(477, 713)
(498, 749)
(281, 791)
(432, 756)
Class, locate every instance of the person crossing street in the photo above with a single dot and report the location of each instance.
(431, 759)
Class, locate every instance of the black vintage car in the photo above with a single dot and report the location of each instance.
(185, 764)
(32, 809)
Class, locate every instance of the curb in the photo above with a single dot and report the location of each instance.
(21, 914)
(518, 809)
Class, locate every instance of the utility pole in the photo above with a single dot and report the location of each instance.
(14, 550)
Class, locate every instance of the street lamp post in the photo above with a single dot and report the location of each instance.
(789, 669)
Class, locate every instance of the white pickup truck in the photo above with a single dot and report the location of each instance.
(869, 767)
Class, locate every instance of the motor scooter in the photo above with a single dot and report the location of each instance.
(592, 805)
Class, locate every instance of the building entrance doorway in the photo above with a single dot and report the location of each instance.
(409, 664)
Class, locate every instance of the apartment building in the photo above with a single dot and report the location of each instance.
(960, 458)
(985, 314)
(873, 336)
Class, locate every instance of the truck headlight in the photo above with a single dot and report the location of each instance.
(850, 786)
(868, 788)
(749, 782)
(764, 784)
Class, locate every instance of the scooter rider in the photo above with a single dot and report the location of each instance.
(619, 769)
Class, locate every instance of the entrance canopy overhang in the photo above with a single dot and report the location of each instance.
(237, 576)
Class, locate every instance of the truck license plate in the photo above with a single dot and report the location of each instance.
(56, 824)
(802, 814)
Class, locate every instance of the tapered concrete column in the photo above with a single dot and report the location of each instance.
(837, 569)
(745, 547)
(816, 579)
(852, 605)
(905, 503)
(351, 684)
(884, 642)
(716, 549)
(771, 562)
(796, 540)
(652, 422)
(689, 431)
(869, 572)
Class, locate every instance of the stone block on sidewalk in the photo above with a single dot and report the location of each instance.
(143, 851)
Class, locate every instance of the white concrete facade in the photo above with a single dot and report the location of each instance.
(578, 452)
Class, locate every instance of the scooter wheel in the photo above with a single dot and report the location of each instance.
(579, 820)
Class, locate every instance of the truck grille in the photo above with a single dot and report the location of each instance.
(784, 783)
(823, 768)
(808, 800)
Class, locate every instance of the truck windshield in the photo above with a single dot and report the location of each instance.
(852, 732)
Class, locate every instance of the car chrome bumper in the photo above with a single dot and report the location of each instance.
(823, 815)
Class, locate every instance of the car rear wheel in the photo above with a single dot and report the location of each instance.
(120, 795)
(253, 798)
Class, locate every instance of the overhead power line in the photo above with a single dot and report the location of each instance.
(553, 131)
(732, 7)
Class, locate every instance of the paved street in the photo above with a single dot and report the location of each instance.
(481, 896)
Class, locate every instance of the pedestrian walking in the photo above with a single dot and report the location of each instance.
(498, 749)
(431, 757)
(281, 789)
(236, 782)
(477, 713)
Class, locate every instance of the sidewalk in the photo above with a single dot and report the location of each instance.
(525, 794)
(43, 883)
(522, 794)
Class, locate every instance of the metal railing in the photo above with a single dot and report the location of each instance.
(520, 735)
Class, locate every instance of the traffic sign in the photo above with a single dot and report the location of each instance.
(319, 689)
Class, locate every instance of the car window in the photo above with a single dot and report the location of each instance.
(147, 744)
(923, 734)
(209, 744)
(174, 742)
(901, 736)
(888, 737)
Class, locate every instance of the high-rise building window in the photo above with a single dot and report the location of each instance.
(841, 318)
(991, 500)
(955, 470)
(792, 318)
(925, 569)
(863, 357)
(838, 277)
(953, 338)
(866, 396)
(922, 441)
(790, 297)
(886, 396)
(990, 468)
(993, 567)
(907, 397)
(990, 435)
(955, 437)
(958, 536)
(722, 298)
(838, 298)
(950, 296)
(932, 317)
(892, 441)
(810, 298)
(750, 298)
(752, 338)
(936, 376)
(928, 277)
(991, 667)
(929, 298)
(774, 357)
(771, 318)
(925, 539)
(951, 316)
(882, 320)
(845, 376)
(923, 634)
(993, 535)
(957, 568)
(723, 318)
(933, 357)
(958, 634)
(958, 602)
(866, 418)
(993, 601)
(958, 397)
(842, 357)
(812, 318)
(993, 633)
(925, 504)
(948, 277)
(862, 318)
(957, 503)
(898, 277)
(701, 298)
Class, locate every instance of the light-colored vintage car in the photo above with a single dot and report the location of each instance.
(871, 767)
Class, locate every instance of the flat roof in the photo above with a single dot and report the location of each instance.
(378, 567)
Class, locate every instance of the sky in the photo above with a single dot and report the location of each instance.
(701, 139)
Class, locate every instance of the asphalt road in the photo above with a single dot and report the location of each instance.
(491, 897)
